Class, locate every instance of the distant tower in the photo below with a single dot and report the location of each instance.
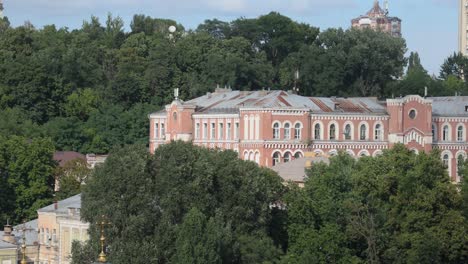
(462, 27)
(1, 9)
(378, 19)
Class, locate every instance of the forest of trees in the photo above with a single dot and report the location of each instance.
(189, 204)
(90, 89)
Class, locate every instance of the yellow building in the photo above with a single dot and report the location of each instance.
(59, 225)
(463, 27)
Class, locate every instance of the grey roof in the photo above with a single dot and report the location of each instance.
(63, 205)
(295, 169)
(450, 106)
(5, 245)
(31, 235)
(228, 101)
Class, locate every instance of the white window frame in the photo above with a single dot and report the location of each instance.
(276, 130)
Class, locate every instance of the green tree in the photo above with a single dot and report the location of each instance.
(27, 175)
(71, 177)
(151, 199)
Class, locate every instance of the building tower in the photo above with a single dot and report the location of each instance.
(463, 27)
(378, 18)
(1, 9)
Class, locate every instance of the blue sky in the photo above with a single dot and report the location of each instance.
(429, 26)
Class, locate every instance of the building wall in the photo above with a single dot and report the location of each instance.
(8, 256)
(48, 234)
(71, 229)
(268, 136)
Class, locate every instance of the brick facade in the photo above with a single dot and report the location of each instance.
(271, 127)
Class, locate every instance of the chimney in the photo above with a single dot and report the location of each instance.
(55, 205)
(7, 234)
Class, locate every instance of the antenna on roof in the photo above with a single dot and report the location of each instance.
(296, 79)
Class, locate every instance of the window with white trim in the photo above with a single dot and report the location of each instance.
(197, 130)
(460, 133)
(434, 136)
(347, 132)
(236, 130)
(445, 160)
(287, 157)
(276, 131)
(220, 131)
(163, 131)
(378, 132)
(332, 135)
(205, 130)
(156, 130)
(287, 131)
(213, 131)
(362, 132)
(228, 131)
(297, 131)
(445, 133)
(317, 132)
(276, 158)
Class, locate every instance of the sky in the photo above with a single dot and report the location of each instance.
(430, 27)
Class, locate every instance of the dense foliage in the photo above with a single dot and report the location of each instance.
(26, 177)
(187, 204)
(90, 89)
(184, 204)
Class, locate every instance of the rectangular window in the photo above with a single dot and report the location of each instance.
(236, 131)
(213, 131)
(220, 131)
(205, 130)
(163, 131)
(228, 132)
(197, 130)
(156, 130)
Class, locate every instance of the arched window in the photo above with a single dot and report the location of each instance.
(297, 155)
(246, 155)
(434, 136)
(287, 131)
(257, 157)
(276, 131)
(378, 132)
(332, 132)
(460, 161)
(276, 158)
(445, 133)
(460, 133)
(297, 131)
(362, 132)
(445, 160)
(287, 157)
(317, 131)
(347, 132)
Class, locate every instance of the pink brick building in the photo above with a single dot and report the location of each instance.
(271, 127)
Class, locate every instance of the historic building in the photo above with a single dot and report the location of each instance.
(463, 27)
(272, 127)
(378, 19)
(59, 224)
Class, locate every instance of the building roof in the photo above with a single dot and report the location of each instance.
(228, 101)
(456, 106)
(31, 235)
(63, 205)
(295, 169)
(62, 157)
(376, 10)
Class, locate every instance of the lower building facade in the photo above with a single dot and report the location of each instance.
(272, 127)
